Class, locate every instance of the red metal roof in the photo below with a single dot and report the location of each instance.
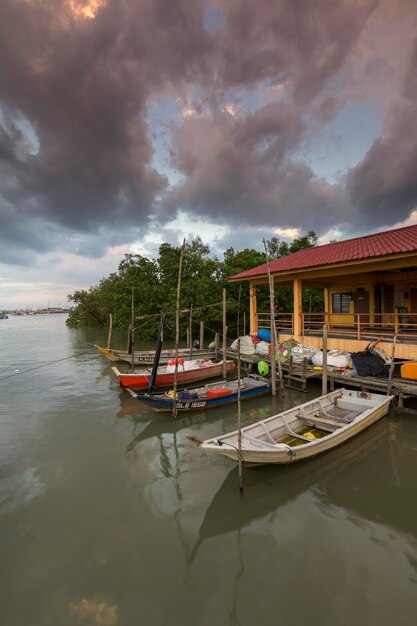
(395, 241)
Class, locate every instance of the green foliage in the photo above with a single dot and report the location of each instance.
(154, 286)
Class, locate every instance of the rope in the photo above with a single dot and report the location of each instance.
(31, 369)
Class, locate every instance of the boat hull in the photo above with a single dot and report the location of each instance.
(140, 379)
(161, 403)
(147, 357)
(261, 452)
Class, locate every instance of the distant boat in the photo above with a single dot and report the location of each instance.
(303, 431)
(3, 316)
(211, 395)
(147, 357)
(140, 378)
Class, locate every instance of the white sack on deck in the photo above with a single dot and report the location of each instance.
(335, 358)
(246, 345)
(263, 348)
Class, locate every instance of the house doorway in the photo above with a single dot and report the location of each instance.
(361, 305)
(384, 304)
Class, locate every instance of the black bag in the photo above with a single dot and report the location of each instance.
(368, 363)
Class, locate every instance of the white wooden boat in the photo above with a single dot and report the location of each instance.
(303, 431)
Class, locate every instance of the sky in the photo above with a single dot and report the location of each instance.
(128, 123)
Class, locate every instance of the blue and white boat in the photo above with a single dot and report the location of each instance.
(208, 396)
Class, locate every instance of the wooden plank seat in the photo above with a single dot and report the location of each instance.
(321, 421)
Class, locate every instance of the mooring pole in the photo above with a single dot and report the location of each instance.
(177, 332)
(190, 331)
(110, 331)
(273, 329)
(133, 327)
(239, 419)
(224, 334)
(324, 376)
(238, 311)
(201, 334)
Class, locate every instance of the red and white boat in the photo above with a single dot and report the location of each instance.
(201, 370)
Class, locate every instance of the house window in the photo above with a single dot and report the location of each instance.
(340, 302)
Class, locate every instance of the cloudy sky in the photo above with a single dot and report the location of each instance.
(125, 123)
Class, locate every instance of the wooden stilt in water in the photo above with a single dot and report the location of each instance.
(239, 419)
(238, 311)
(392, 366)
(216, 346)
(110, 331)
(224, 335)
(132, 323)
(273, 330)
(201, 335)
(324, 373)
(177, 332)
(244, 323)
(190, 331)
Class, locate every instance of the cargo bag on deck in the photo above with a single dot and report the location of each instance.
(368, 363)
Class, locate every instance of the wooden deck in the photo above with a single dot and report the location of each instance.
(297, 376)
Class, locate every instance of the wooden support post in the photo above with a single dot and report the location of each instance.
(201, 335)
(216, 346)
(110, 331)
(392, 366)
(244, 323)
(253, 313)
(298, 295)
(177, 332)
(239, 419)
(190, 331)
(324, 373)
(133, 328)
(224, 335)
(238, 311)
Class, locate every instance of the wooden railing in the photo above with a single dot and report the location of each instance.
(284, 322)
(359, 327)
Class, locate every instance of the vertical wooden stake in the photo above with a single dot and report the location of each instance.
(224, 335)
(177, 332)
(239, 419)
(110, 331)
(133, 328)
(201, 335)
(324, 376)
(392, 366)
(273, 331)
(216, 346)
(238, 311)
(244, 323)
(190, 331)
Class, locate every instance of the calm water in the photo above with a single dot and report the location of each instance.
(109, 515)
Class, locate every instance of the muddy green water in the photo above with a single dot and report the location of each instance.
(109, 515)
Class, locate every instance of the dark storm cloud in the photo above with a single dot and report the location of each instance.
(384, 185)
(83, 86)
(75, 148)
(239, 169)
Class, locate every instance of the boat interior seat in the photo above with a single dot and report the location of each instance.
(321, 421)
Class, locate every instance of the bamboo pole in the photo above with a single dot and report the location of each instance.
(392, 366)
(110, 331)
(239, 419)
(238, 311)
(216, 346)
(177, 332)
(244, 323)
(190, 330)
(133, 327)
(273, 330)
(324, 374)
(224, 334)
(201, 335)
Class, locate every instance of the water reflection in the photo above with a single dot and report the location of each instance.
(341, 478)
